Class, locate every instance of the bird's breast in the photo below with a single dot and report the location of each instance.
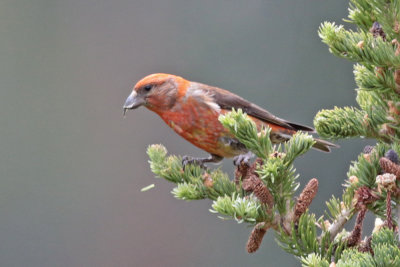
(198, 123)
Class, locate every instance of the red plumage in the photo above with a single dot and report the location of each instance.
(192, 109)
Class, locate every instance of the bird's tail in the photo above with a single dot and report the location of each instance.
(323, 145)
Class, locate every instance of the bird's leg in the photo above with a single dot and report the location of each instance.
(201, 161)
(245, 158)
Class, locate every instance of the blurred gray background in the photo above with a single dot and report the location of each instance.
(71, 168)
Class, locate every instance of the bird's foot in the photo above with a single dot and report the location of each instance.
(195, 161)
(243, 158)
(200, 161)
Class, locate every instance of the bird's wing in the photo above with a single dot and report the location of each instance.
(227, 100)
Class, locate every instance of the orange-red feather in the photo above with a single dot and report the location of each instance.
(192, 109)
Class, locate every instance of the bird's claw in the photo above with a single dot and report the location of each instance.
(243, 158)
(194, 161)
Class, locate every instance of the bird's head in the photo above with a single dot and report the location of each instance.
(157, 92)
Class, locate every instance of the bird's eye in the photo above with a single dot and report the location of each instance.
(147, 88)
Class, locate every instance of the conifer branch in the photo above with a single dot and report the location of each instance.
(262, 194)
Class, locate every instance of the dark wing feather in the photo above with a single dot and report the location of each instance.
(227, 100)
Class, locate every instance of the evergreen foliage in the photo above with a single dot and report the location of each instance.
(263, 194)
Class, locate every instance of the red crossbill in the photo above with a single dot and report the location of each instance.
(191, 109)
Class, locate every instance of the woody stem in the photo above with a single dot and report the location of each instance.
(389, 210)
(398, 218)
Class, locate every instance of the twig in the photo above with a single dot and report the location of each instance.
(355, 235)
(398, 219)
(338, 225)
(389, 210)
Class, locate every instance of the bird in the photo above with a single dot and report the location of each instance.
(192, 109)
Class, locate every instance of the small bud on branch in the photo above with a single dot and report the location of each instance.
(377, 30)
(386, 181)
(391, 154)
(207, 180)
